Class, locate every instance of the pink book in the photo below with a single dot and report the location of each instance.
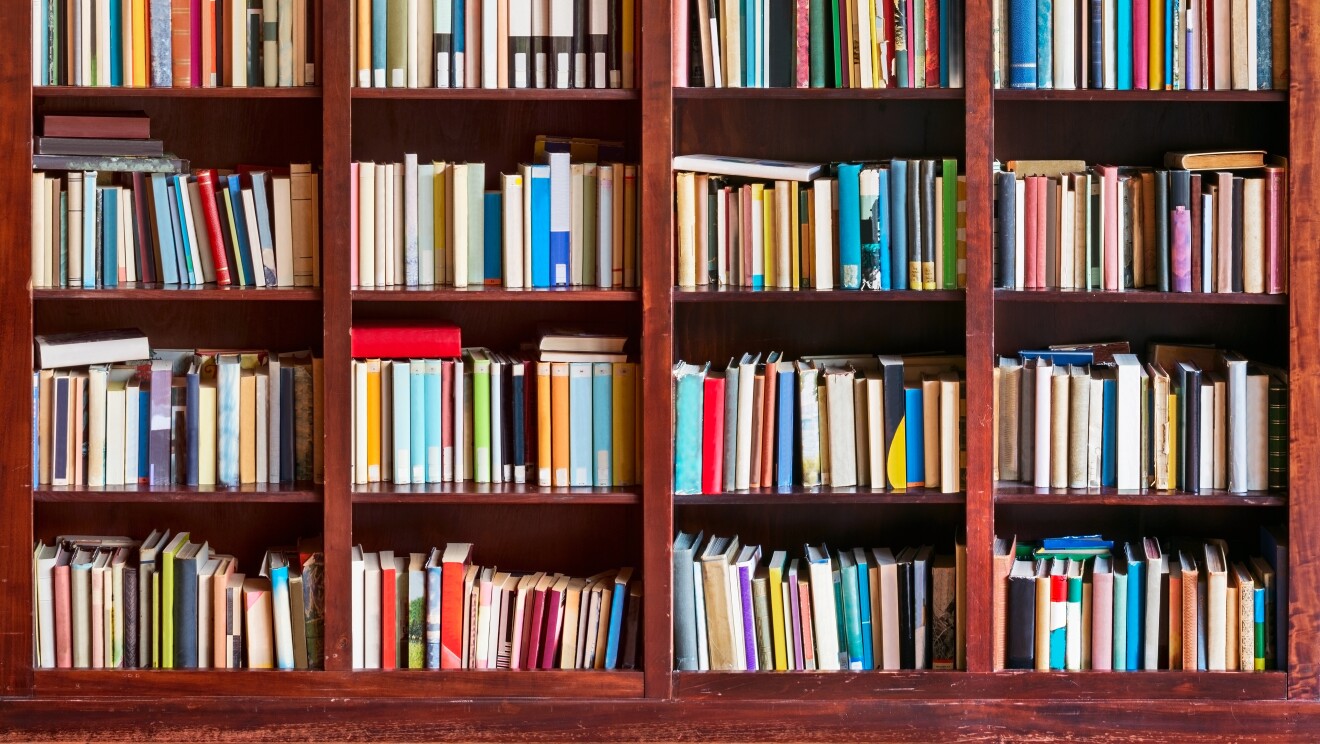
(195, 27)
(1109, 194)
(447, 453)
(554, 620)
(535, 630)
(1141, 43)
(483, 660)
(802, 45)
(680, 36)
(746, 215)
(795, 612)
(804, 614)
(1102, 619)
(519, 660)
(353, 226)
(1029, 234)
(1181, 257)
(1042, 231)
(63, 612)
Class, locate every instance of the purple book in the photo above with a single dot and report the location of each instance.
(793, 600)
(747, 561)
(158, 441)
(195, 36)
(1182, 250)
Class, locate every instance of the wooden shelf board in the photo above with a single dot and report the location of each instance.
(206, 293)
(930, 685)
(1021, 493)
(801, 495)
(496, 94)
(1144, 96)
(494, 294)
(817, 94)
(402, 683)
(489, 493)
(73, 91)
(304, 493)
(737, 294)
(1135, 296)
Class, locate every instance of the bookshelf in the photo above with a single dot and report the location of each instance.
(333, 124)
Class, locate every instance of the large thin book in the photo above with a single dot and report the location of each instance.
(726, 165)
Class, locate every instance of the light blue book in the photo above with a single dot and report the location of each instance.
(602, 420)
(185, 245)
(110, 238)
(561, 217)
(882, 230)
(116, 49)
(916, 440)
(176, 227)
(786, 390)
(89, 245)
(539, 237)
(1264, 45)
(1171, 11)
(460, 41)
(435, 405)
(1122, 48)
(226, 440)
(1045, 41)
(417, 418)
(1120, 654)
(898, 248)
(688, 382)
(426, 224)
(476, 246)
(493, 239)
(162, 55)
(864, 606)
(164, 231)
(279, 599)
(616, 617)
(265, 238)
(378, 27)
(579, 424)
(1136, 606)
(401, 392)
(850, 226)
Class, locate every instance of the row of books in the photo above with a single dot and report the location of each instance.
(1141, 44)
(551, 224)
(438, 610)
(168, 43)
(166, 602)
(859, 609)
(1066, 225)
(567, 419)
(880, 422)
(1083, 603)
(896, 224)
(250, 228)
(507, 44)
(1192, 419)
(820, 43)
(166, 416)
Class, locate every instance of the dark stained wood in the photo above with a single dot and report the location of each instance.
(69, 91)
(496, 94)
(1140, 296)
(1021, 493)
(132, 292)
(257, 324)
(820, 94)
(250, 494)
(1128, 96)
(826, 495)
(494, 294)
(734, 294)
(489, 493)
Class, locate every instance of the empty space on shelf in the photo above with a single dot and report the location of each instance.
(168, 324)
(134, 292)
(493, 294)
(507, 327)
(713, 293)
(821, 495)
(574, 95)
(1170, 522)
(1110, 97)
(70, 91)
(820, 94)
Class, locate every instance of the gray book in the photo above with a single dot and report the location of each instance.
(265, 237)
(1027, 421)
(929, 219)
(686, 546)
(731, 426)
(914, 225)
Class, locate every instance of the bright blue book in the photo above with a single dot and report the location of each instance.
(192, 419)
(1136, 607)
(241, 237)
(1109, 434)
(417, 417)
(144, 428)
(116, 48)
(226, 440)
(616, 618)
(689, 379)
(176, 227)
(1170, 12)
(1123, 45)
(164, 231)
(561, 217)
(401, 393)
(898, 254)
(1059, 358)
(494, 238)
(279, 597)
(749, 29)
(1022, 44)
(89, 246)
(1119, 656)
(460, 38)
(882, 230)
(602, 422)
(916, 441)
(786, 387)
(579, 424)
(1045, 42)
(539, 236)
(434, 408)
(43, 47)
(185, 247)
(110, 239)
(1264, 45)
(378, 27)
(850, 232)
(864, 607)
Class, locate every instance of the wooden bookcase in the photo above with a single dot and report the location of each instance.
(583, 529)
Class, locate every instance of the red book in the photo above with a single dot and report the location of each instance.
(1042, 230)
(116, 125)
(535, 631)
(932, 44)
(802, 44)
(454, 563)
(887, 53)
(389, 621)
(554, 621)
(63, 616)
(1029, 234)
(1109, 213)
(1276, 232)
(206, 189)
(447, 420)
(1208, 68)
(712, 437)
(401, 340)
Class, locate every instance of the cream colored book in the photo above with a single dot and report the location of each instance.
(388, 228)
(822, 273)
(1094, 431)
(842, 429)
(257, 620)
(746, 397)
(366, 208)
(1059, 385)
(114, 425)
(98, 376)
(1253, 234)
(1079, 418)
(685, 192)
(381, 221)
(512, 187)
(283, 210)
(247, 427)
(1243, 617)
(1216, 607)
(950, 434)
(1220, 431)
(823, 609)
(458, 226)
(1044, 420)
(862, 431)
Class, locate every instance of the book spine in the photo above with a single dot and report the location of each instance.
(1022, 44)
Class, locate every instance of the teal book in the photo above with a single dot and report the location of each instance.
(379, 25)
(851, 609)
(431, 636)
(616, 618)
(916, 440)
(1136, 605)
(688, 382)
(864, 590)
(602, 431)
(110, 238)
(579, 424)
(186, 269)
(493, 240)
(164, 232)
(1045, 42)
(819, 44)
(539, 235)
(850, 226)
(900, 47)
(1120, 637)
(242, 244)
(279, 598)
(434, 407)
(1122, 48)
(834, 36)
(401, 418)
(116, 48)
(750, 27)
(89, 245)
(416, 418)
(480, 411)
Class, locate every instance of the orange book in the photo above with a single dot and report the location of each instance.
(559, 422)
(543, 460)
(208, 44)
(373, 420)
(247, 427)
(181, 42)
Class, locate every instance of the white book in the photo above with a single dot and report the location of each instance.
(1128, 424)
(383, 221)
(132, 412)
(1065, 57)
(746, 388)
(97, 377)
(823, 236)
(1067, 233)
(413, 46)
(1041, 458)
(426, 224)
(867, 63)
(1216, 641)
(283, 232)
(758, 238)
(525, 171)
(520, 43)
(359, 422)
(1207, 425)
(1157, 607)
(366, 208)
(1073, 622)
(1109, 21)
(254, 242)
(358, 593)
(1236, 367)
(950, 436)
(396, 274)
(490, 46)
(458, 226)
(875, 420)
(401, 402)
(102, 42)
(371, 610)
(824, 613)
(408, 270)
(605, 180)
(728, 165)
(843, 454)
(512, 200)
(44, 559)
(1094, 442)
(497, 419)
(114, 424)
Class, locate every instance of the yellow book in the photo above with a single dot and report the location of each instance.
(878, 77)
(166, 600)
(1156, 46)
(373, 420)
(624, 387)
(140, 39)
(851, 48)
(629, 71)
(1173, 437)
(794, 232)
(247, 427)
(206, 423)
(776, 576)
(543, 460)
(440, 231)
(559, 422)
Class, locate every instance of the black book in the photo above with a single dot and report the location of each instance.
(782, 44)
(1022, 615)
(227, 235)
(186, 564)
(696, 68)
(615, 46)
(1189, 427)
(906, 616)
(142, 223)
(286, 424)
(518, 418)
(1006, 228)
(1238, 186)
(1163, 208)
(1027, 425)
(922, 627)
(130, 608)
(580, 47)
(1095, 42)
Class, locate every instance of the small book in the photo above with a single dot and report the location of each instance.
(726, 165)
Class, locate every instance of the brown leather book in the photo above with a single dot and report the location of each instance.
(1190, 617)
(1010, 391)
(118, 125)
(1004, 549)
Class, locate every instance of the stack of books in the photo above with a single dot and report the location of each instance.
(1083, 603)
(1141, 44)
(169, 603)
(820, 44)
(858, 609)
(428, 411)
(1207, 222)
(569, 219)
(879, 422)
(111, 411)
(1192, 418)
(510, 44)
(761, 224)
(167, 43)
(437, 610)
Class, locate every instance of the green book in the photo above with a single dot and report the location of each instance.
(396, 43)
(850, 609)
(834, 37)
(949, 187)
(589, 226)
(818, 43)
(480, 361)
(163, 645)
(476, 233)
(416, 610)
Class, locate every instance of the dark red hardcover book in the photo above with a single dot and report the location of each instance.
(536, 630)
(932, 44)
(401, 340)
(211, 216)
(1196, 232)
(1276, 232)
(99, 146)
(117, 125)
(712, 438)
(142, 223)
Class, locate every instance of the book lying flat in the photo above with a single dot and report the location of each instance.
(723, 165)
(100, 347)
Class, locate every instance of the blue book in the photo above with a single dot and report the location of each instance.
(265, 238)
(144, 428)
(493, 239)
(401, 393)
(518, 393)
(616, 618)
(1119, 657)
(539, 236)
(1022, 43)
(1136, 606)
(1170, 12)
(561, 217)
(434, 408)
(1264, 45)
(89, 246)
(185, 247)
(241, 237)
(116, 48)
(749, 29)
(1045, 41)
(162, 54)
(916, 440)
(192, 420)
(688, 382)
(110, 238)
(579, 424)
(882, 230)
(864, 607)
(379, 24)
(1079, 541)
(849, 600)
(226, 439)
(850, 235)
(786, 387)
(898, 254)
(1059, 358)
(417, 417)
(1123, 45)
(169, 268)
(602, 420)
(278, 571)
(460, 40)
(176, 227)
